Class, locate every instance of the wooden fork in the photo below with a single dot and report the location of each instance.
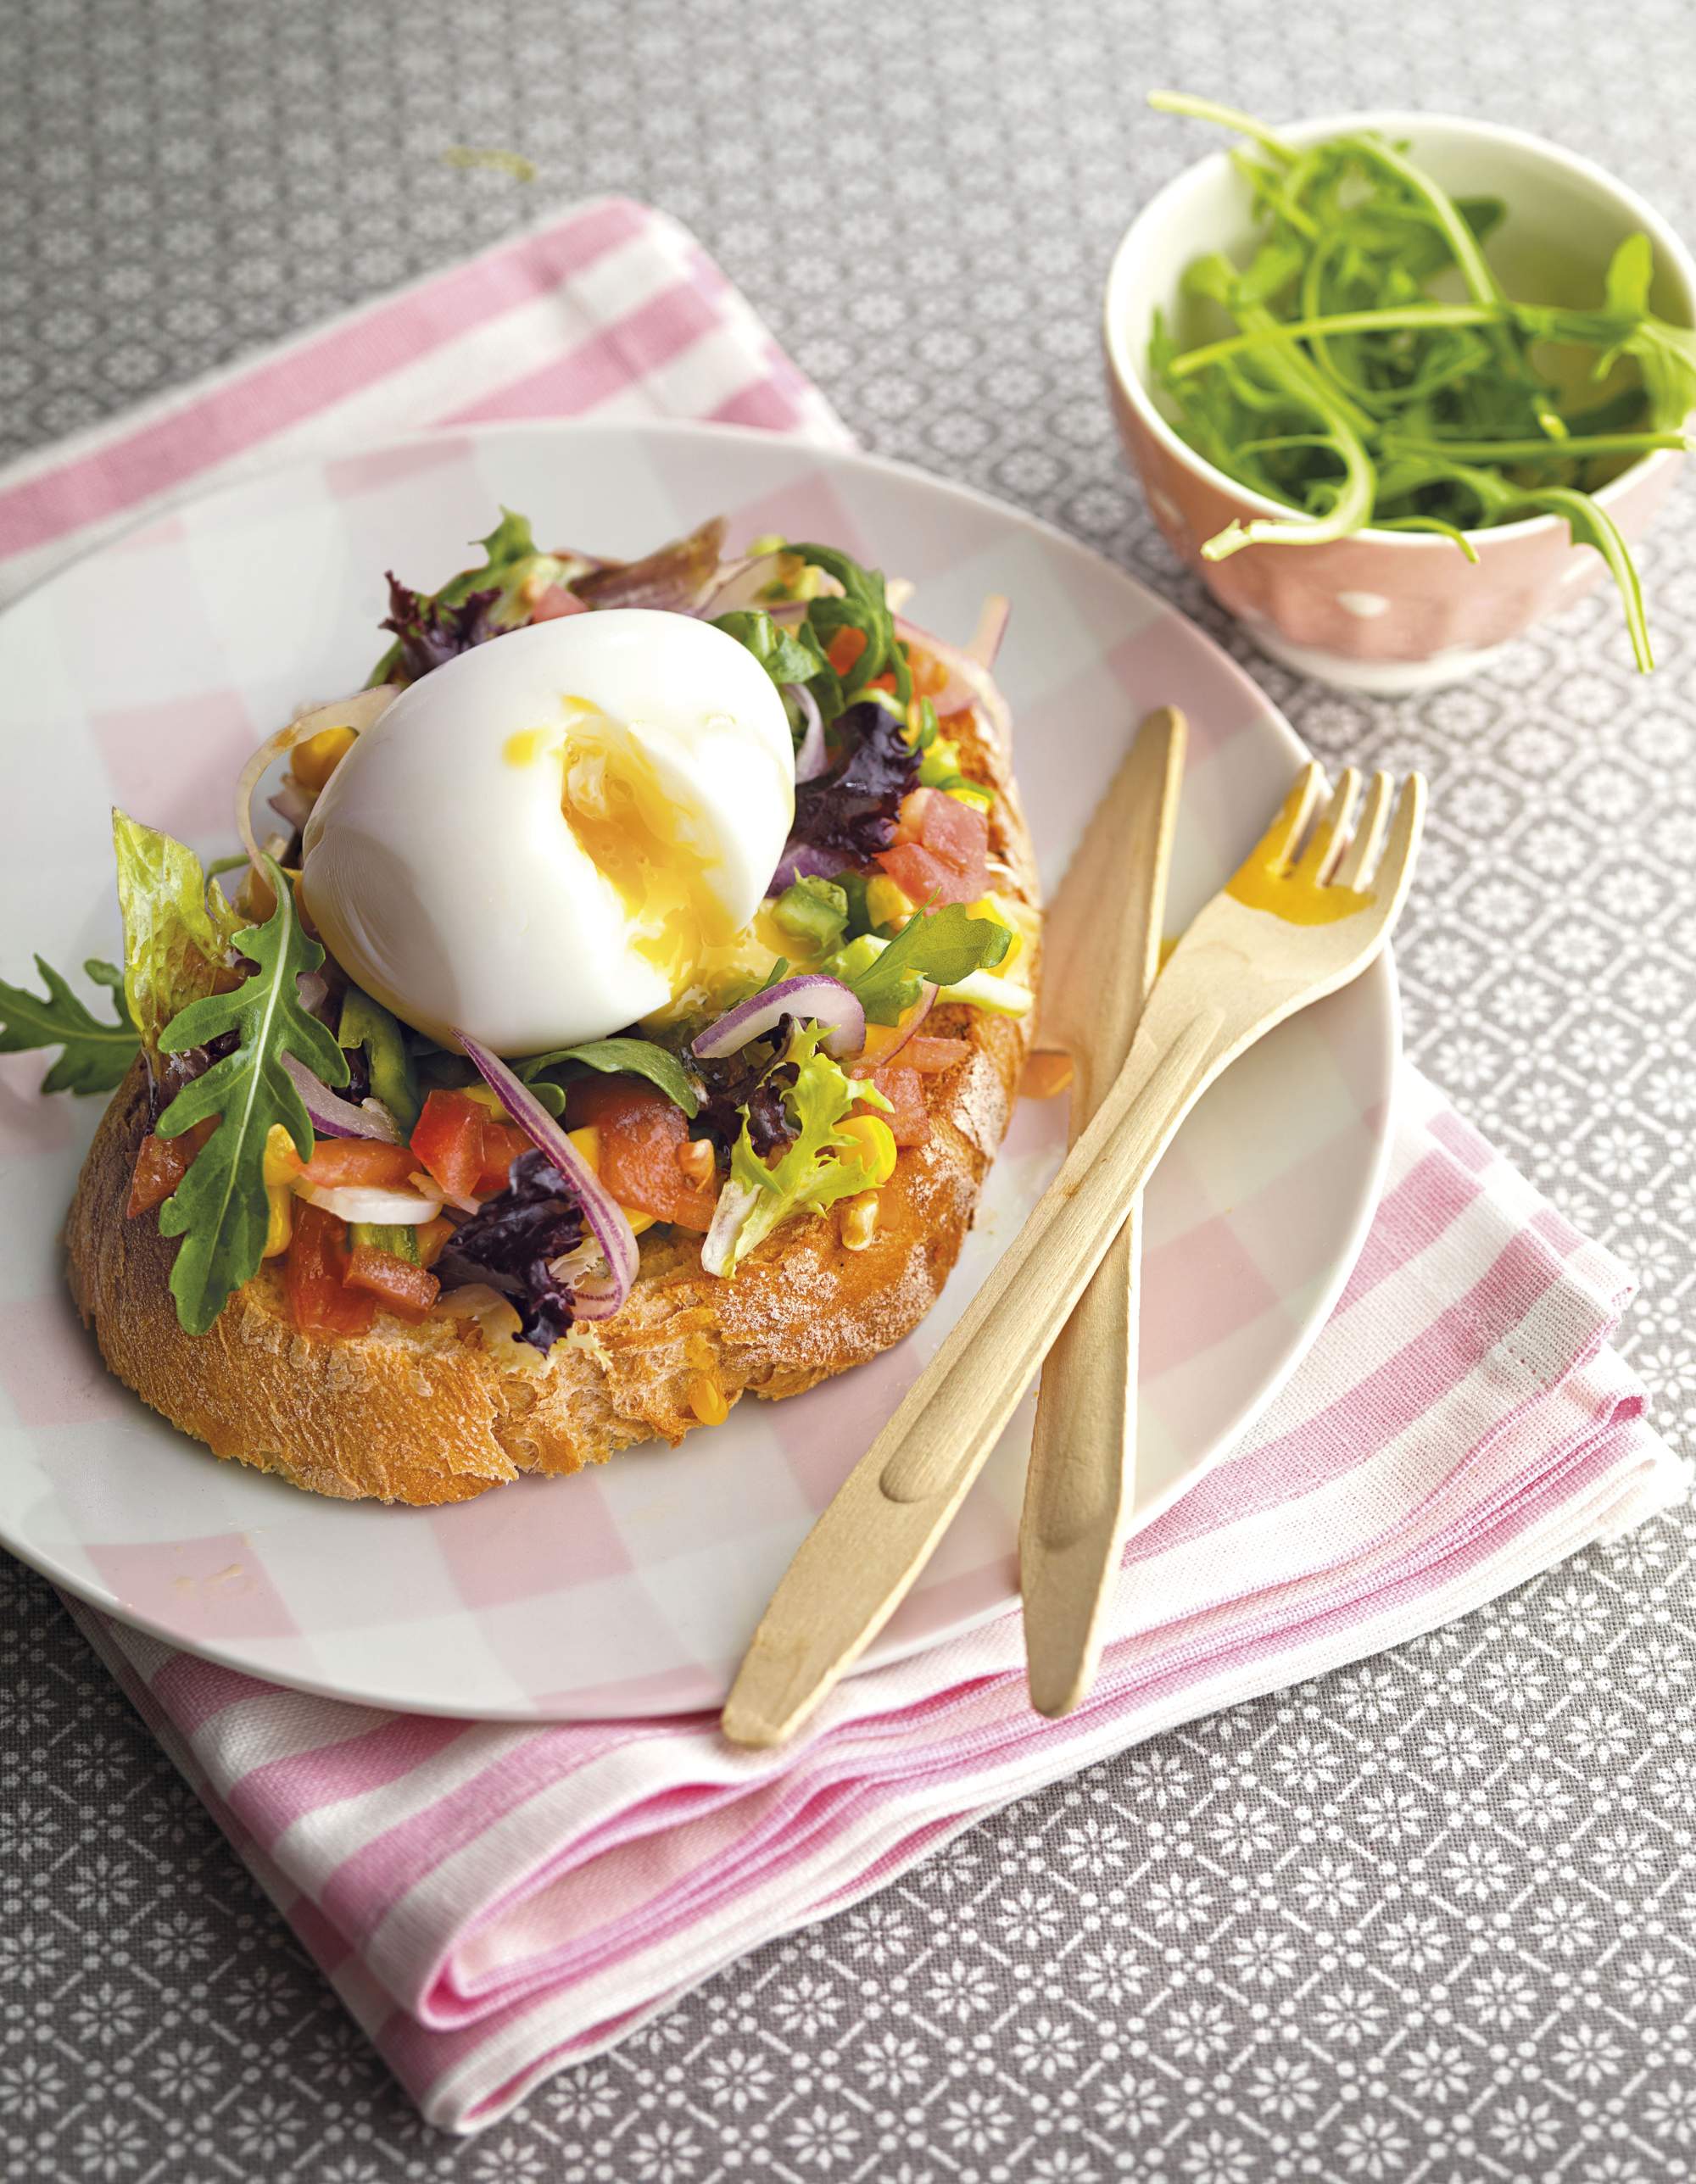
(1310, 908)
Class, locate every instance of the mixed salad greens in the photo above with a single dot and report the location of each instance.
(1341, 385)
(292, 1117)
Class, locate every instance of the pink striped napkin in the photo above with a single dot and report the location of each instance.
(492, 1903)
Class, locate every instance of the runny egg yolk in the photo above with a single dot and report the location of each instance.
(618, 809)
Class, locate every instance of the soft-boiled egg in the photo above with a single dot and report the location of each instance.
(543, 840)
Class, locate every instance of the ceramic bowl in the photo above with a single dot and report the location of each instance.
(1389, 611)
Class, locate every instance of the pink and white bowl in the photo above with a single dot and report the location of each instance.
(1384, 611)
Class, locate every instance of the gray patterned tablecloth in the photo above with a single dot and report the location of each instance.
(1431, 1918)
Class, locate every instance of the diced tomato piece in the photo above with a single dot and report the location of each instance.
(958, 833)
(844, 649)
(161, 1164)
(642, 1134)
(358, 1163)
(406, 1290)
(555, 603)
(908, 1118)
(319, 1301)
(502, 1144)
(923, 879)
(931, 1056)
(447, 1141)
(940, 852)
(954, 828)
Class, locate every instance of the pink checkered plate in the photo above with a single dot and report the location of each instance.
(146, 673)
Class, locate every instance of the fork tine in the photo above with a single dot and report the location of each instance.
(1325, 843)
(1277, 845)
(1360, 852)
(1395, 866)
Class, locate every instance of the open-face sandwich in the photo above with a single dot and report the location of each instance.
(622, 1015)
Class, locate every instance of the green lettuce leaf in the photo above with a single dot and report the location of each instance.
(94, 1055)
(822, 1165)
(177, 931)
(220, 1209)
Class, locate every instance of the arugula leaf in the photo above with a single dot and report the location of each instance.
(786, 655)
(1630, 271)
(220, 1209)
(94, 1056)
(942, 945)
(1327, 376)
(177, 931)
(624, 1057)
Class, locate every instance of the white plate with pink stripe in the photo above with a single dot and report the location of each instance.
(146, 673)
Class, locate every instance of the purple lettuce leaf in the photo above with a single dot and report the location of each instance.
(512, 1240)
(430, 630)
(853, 808)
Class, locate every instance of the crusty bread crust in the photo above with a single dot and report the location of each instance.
(441, 1411)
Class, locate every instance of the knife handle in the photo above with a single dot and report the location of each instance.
(856, 1565)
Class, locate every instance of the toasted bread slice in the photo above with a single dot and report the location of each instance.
(440, 1411)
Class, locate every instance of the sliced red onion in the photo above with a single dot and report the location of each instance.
(736, 1201)
(333, 1117)
(915, 1015)
(986, 637)
(811, 758)
(969, 682)
(292, 805)
(801, 860)
(314, 989)
(360, 712)
(740, 584)
(385, 1209)
(593, 1300)
(812, 996)
(553, 602)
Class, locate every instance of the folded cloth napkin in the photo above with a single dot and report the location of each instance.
(493, 1903)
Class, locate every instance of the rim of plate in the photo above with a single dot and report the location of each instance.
(884, 1650)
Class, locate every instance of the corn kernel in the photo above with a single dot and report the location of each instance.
(875, 1142)
(313, 762)
(859, 1221)
(696, 1159)
(886, 904)
(707, 1399)
(281, 1162)
(971, 793)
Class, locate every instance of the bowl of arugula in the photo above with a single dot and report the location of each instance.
(1397, 385)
